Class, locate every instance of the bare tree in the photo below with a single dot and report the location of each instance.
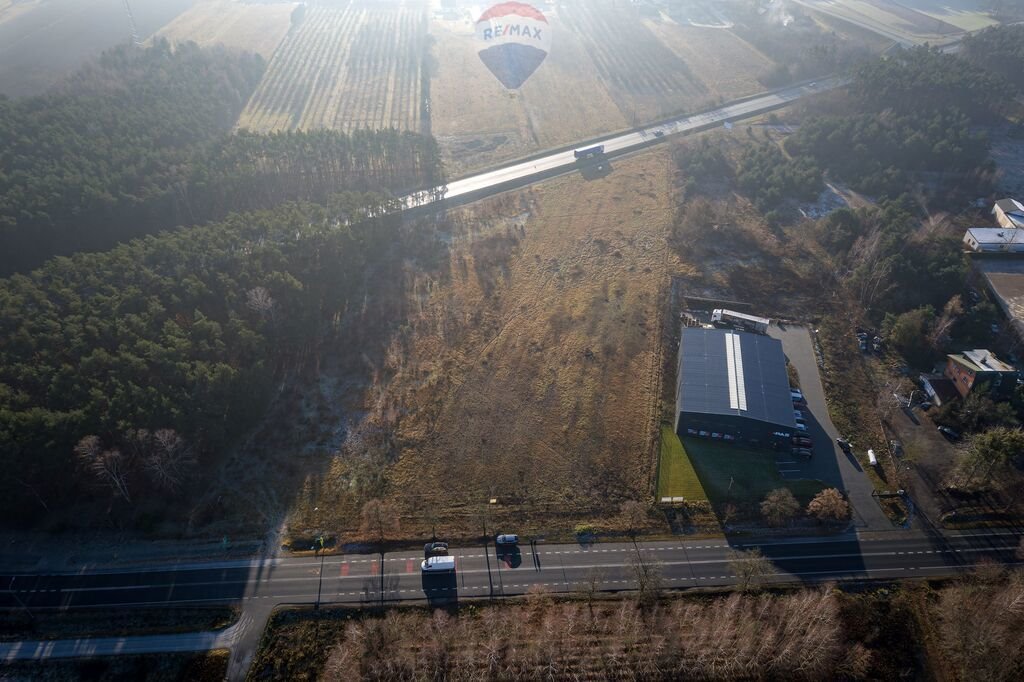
(750, 567)
(634, 516)
(109, 467)
(727, 513)
(260, 300)
(169, 460)
(829, 505)
(648, 576)
(592, 586)
(379, 521)
(779, 506)
(951, 312)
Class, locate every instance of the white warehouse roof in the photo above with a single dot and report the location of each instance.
(994, 239)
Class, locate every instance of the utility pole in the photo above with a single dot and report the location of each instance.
(487, 554)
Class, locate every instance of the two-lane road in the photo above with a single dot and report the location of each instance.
(531, 170)
(356, 579)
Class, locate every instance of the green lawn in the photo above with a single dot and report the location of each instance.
(676, 477)
(752, 473)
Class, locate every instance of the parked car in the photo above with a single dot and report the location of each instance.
(802, 442)
(796, 394)
(949, 433)
(507, 539)
(798, 415)
(844, 445)
(801, 426)
(803, 452)
(435, 549)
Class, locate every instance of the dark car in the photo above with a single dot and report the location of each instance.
(435, 549)
(949, 433)
(803, 452)
(802, 442)
(844, 445)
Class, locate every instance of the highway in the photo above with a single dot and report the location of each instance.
(546, 166)
(357, 579)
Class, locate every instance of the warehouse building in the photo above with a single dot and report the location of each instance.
(733, 386)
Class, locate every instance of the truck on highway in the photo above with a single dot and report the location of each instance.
(721, 317)
(438, 564)
(589, 152)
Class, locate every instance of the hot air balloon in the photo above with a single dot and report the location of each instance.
(514, 39)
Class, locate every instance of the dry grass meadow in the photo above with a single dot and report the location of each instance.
(528, 371)
(245, 26)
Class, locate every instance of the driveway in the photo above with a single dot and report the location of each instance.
(830, 464)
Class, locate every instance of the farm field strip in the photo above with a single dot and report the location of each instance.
(649, 68)
(344, 68)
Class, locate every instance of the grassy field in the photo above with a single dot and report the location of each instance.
(255, 27)
(357, 66)
(528, 368)
(726, 64)
(890, 18)
(970, 15)
(737, 475)
(676, 476)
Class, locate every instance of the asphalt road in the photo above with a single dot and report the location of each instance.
(357, 579)
(531, 170)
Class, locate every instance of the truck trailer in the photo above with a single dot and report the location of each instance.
(438, 564)
(589, 152)
(721, 317)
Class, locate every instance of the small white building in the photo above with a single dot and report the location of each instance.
(994, 240)
(1009, 213)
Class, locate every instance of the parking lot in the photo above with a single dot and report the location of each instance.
(829, 464)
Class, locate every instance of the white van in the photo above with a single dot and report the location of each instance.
(438, 564)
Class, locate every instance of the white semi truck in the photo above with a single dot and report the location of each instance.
(731, 318)
(438, 564)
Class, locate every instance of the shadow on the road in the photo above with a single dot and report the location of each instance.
(440, 589)
(824, 560)
(535, 555)
(512, 556)
(594, 170)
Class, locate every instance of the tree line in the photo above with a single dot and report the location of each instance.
(999, 50)
(140, 141)
(129, 369)
(905, 115)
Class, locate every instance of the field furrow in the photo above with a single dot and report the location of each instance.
(345, 67)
